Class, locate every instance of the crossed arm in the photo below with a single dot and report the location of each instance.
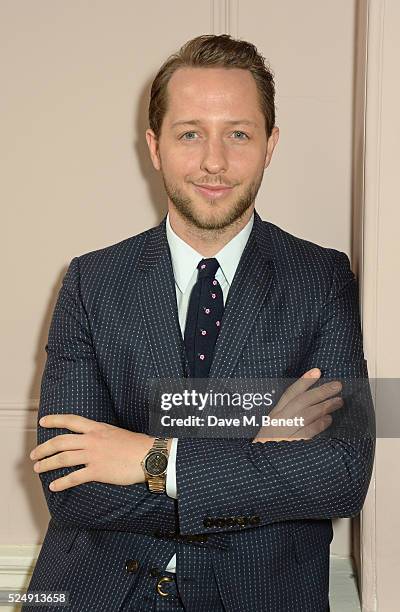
(320, 478)
(102, 485)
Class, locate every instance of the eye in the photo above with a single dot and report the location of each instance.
(240, 132)
(185, 134)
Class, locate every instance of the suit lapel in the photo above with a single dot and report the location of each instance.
(157, 296)
(247, 293)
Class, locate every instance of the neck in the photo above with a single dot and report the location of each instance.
(205, 241)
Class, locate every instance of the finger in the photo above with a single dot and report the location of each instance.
(315, 428)
(299, 386)
(61, 460)
(74, 422)
(316, 411)
(58, 443)
(71, 480)
(312, 413)
(321, 393)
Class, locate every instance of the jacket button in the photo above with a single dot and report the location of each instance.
(254, 520)
(208, 522)
(132, 566)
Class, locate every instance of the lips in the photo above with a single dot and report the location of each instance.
(213, 192)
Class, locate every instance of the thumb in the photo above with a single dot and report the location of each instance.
(314, 373)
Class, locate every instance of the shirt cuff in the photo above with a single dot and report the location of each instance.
(171, 470)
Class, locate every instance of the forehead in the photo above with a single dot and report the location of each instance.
(205, 92)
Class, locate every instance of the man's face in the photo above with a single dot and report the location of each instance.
(212, 134)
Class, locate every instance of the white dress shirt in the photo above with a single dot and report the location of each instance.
(184, 263)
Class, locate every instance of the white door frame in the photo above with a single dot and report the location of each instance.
(365, 249)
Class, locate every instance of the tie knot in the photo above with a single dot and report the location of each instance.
(207, 267)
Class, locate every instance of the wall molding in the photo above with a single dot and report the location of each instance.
(225, 17)
(19, 415)
(369, 269)
(16, 565)
(23, 405)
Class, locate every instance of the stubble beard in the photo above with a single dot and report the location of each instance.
(186, 208)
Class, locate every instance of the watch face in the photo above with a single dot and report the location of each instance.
(156, 463)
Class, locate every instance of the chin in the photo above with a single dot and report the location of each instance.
(211, 219)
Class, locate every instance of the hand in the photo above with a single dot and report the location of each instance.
(110, 454)
(313, 406)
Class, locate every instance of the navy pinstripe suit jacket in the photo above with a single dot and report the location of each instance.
(263, 510)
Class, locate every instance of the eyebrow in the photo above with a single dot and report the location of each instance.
(230, 122)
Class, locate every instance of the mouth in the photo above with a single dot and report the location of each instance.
(213, 192)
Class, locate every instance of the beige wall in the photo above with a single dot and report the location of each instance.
(77, 176)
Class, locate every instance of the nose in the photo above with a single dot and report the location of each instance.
(214, 157)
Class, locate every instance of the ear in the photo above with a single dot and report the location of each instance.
(272, 141)
(152, 143)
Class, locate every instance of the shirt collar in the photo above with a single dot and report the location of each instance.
(185, 258)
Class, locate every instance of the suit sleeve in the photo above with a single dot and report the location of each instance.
(232, 484)
(72, 383)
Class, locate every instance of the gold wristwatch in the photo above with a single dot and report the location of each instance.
(155, 465)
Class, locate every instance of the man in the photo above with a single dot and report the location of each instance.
(141, 523)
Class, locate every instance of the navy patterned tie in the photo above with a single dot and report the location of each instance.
(204, 317)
